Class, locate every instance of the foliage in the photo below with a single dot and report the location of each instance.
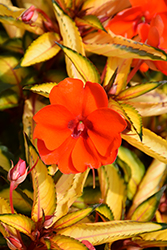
(82, 77)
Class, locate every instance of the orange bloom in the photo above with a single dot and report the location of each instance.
(127, 22)
(78, 130)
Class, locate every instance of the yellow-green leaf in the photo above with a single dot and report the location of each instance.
(90, 20)
(138, 90)
(42, 89)
(8, 99)
(72, 218)
(146, 210)
(134, 118)
(105, 212)
(102, 232)
(44, 187)
(116, 192)
(4, 161)
(66, 243)
(137, 169)
(20, 222)
(85, 68)
(42, 49)
(152, 144)
(68, 189)
(106, 44)
(121, 66)
(151, 183)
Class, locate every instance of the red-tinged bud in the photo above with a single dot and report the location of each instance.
(18, 173)
(14, 243)
(30, 15)
(48, 221)
(88, 245)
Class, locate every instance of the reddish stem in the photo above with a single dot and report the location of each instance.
(33, 166)
(134, 70)
(11, 196)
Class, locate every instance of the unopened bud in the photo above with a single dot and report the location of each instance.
(18, 173)
(30, 15)
(14, 243)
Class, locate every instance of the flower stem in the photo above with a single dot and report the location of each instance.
(11, 196)
(134, 70)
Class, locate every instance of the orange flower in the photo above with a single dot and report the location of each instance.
(127, 22)
(78, 130)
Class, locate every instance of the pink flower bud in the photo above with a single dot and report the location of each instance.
(18, 173)
(30, 15)
(14, 243)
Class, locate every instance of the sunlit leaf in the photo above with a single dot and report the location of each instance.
(152, 239)
(42, 49)
(19, 222)
(137, 169)
(102, 232)
(146, 210)
(113, 104)
(151, 144)
(42, 89)
(68, 189)
(122, 67)
(44, 188)
(137, 90)
(105, 212)
(86, 69)
(134, 118)
(116, 192)
(72, 218)
(90, 20)
(151, 183)
(66, 243)
(102, 43)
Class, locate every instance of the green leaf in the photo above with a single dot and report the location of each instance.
(106, 44)
(66, 243)
(72, 218)
(4, 160)
(102, 232)
(20, 222)
(138, 90)
(152, 144)
(137, 169)
(134, 118)
(42, 49)
(8, 99)
(42, 89)
(146, 210)
(85, 68)
(150, 184)
(44, 187)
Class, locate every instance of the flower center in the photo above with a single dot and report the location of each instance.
(79, 128)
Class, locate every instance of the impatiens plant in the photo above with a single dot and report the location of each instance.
(83, 104)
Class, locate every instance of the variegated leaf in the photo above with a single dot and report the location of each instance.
(42, 89)
(105, 212)
(42, 49)
(90, 20)
(102, 232)
(66, 243)
(152, 144)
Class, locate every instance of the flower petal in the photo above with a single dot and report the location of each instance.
(79, 100)
(84, 155)
(107, 124)
(110, 159)
(52, 125)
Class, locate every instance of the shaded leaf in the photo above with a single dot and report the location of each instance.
(20, 222)
(151, 144)
(134, 118)
(8, 99)
(72, 218)
(146, 210)
(44, 188)
(102, 232)
(4, 161)
(151, 183)
(137, 90)
(68, 188)
(86, 69)
(108, 44)
(42, 89)
(42, 49)
(66, 243)
(137, 169)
